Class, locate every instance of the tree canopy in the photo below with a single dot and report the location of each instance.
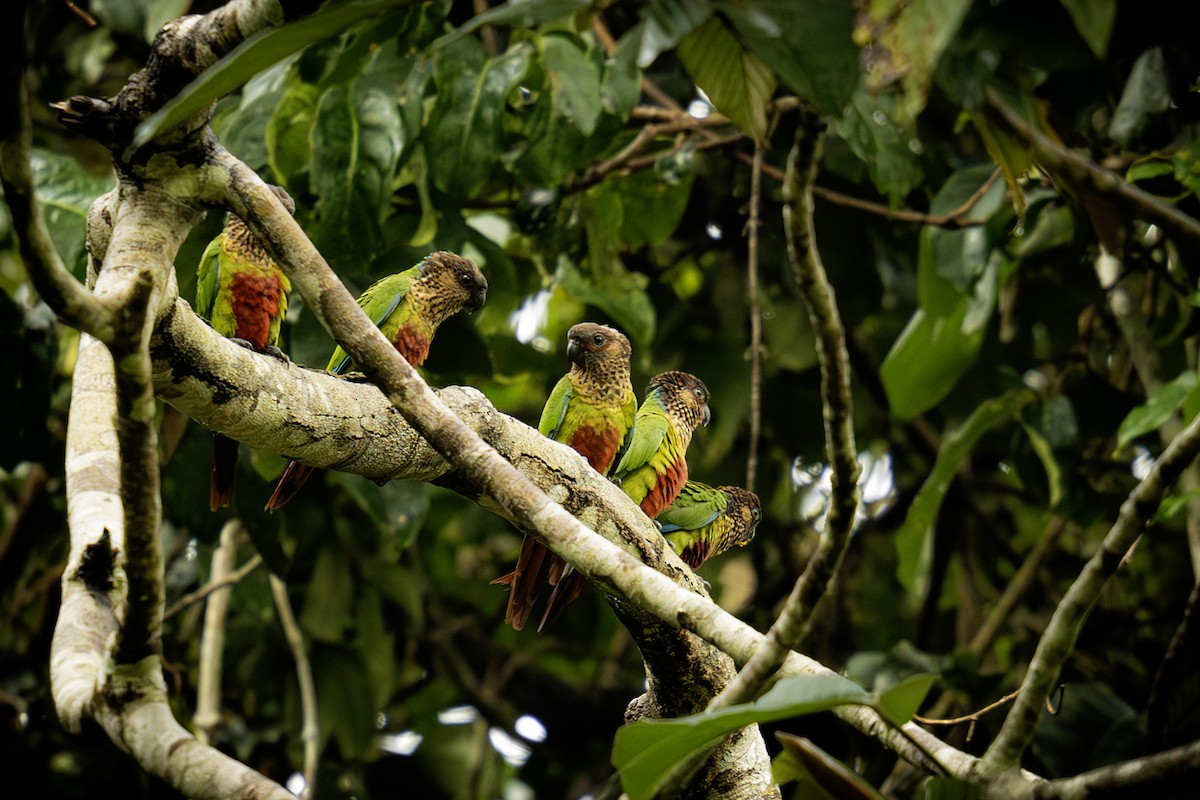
(934, 262)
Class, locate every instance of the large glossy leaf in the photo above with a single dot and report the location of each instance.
(464, 136)
(957, 282)
(65, 192)
(886, 143)
(289, 134)
(737, 82)
(1094, 20)
(831, 777)
(912, 537)
(356, 144)
(255, 55)
(667, 22)
(646, 751)
(806, 42)
(1147, 94)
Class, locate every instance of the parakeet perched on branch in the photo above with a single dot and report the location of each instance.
(407, 307)
(705, 520)
(242, 292)
(652, 469)
(591, 409)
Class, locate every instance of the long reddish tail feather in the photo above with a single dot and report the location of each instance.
(290, 482)
(526, 580)
(223, 473)
(567, 588)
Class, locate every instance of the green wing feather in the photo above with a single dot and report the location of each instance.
(696, 507)
(208, 277)
(383, 303)
(555, 410)
(649, 430)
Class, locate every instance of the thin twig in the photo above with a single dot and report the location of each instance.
(308, 689)
(212, 636)
(204, 591)
(1082, 173)
(755, 315)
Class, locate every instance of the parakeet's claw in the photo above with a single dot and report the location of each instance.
(657, 524)
(246, 343)
(275, 352)
(707, 585)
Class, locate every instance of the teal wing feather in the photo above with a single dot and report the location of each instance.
(649, 430)
(379, 302)
(208, 277)
(696, 507)
(555, 410)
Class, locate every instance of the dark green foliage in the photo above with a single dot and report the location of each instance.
(993, 387)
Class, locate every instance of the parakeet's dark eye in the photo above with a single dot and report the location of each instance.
(465, 279)
(700, 394)
(598, 339)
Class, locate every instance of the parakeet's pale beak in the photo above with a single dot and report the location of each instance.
(707, 418)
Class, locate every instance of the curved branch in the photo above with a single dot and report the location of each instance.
(1068, 619)
(53, 281)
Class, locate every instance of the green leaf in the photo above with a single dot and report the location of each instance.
(899, 702)
(737, 82)
(1172, 504)
(883, 141)
(1147, 95)
(1045, 453)
(830, 776)
(951, 789)
(957, 284)
(912, 537)
(666, 23)
(1094, 20)
(1187, 166)
(254, 55)
(653, 202)
(464, 137)
(1157, 409)
(289, 134)
(356, 144)
(646, 751)
(516, 13)
(328, 613)
(806, 42)
(567, 112)
(65, 192)
(912, 38)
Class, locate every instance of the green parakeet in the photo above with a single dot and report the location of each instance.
(591, 409)
(407, 307)
(242, 292)
(705, 520)
(652, 469)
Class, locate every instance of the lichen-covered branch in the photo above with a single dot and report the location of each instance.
(787, 631)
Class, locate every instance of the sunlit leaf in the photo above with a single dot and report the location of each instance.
(900, 701)
(808, 43)
(912, 537)
(737, 82)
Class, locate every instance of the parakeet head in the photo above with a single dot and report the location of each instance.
(744, 506)
(590, 345)
(458, 280)
(684, 396)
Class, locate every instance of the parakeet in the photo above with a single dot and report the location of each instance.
(407, 307)
(591, 409)
(652, 469)
(242, 292)
(705, 520)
